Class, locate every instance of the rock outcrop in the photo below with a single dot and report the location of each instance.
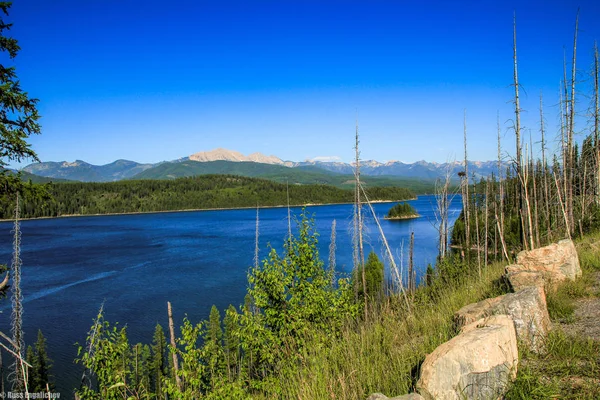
(556, 263)
(479, 363)
(231, 155)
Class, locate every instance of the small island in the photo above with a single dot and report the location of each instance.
(402, 211)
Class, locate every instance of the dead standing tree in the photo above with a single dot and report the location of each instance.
(359, 255)
(596, 116)
(332, 252)
(499, 209)
(465, 193)
(571, 131)
(517, 128)
(443, 199)
(18, 375)
(545, 172)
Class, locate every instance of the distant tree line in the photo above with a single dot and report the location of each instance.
(207, 191)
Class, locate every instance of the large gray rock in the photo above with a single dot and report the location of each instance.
(411, 396)
(479, 363)
(527, 308)
(556, 262)
(520, 279)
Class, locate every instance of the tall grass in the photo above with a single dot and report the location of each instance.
(384, 353)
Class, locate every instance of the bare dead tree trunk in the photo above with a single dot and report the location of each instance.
(18, 380)
(256, 246)
(496, 233)
(502, 241)
(174, 348)
(466, 201)
(394, 267)
(545, 171)
(564, 118)
(500, 187)
(289, 214)
(477, 238)
(597, 119)
(443, 200)
(525, 185)
(411, 268)
(571, 130)
(536, 222)
(562, 207)
(332, 253)
(518, 127)
(583, 198)
(487, 217)
(359, 223)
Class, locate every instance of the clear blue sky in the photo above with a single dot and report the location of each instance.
(151, 81)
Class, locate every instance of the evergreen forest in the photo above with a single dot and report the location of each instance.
(199, 192)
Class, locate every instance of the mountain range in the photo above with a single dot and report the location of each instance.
(222, 161)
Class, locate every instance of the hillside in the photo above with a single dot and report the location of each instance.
(85, 172)
(26, 177)
(305, 175)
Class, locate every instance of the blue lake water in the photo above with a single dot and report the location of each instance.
(134, 264)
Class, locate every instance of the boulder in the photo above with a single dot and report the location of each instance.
(475, 311)
(556, 262)
(527, 309)
(379, 396)
(520, 278)
(479, 363)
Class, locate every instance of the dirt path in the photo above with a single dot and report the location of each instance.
(587, 315)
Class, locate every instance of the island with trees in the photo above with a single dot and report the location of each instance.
(402, 211)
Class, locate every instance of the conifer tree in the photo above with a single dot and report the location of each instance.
(373, 272)
(231, 342)
(39, 375)
(213, 343)
(159, 363)
(18, 112)
(30, 358)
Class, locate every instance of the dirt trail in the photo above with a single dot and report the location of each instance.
(587, 315)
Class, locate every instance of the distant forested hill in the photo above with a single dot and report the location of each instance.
(306, 175)
(26, 176)
(207, 191)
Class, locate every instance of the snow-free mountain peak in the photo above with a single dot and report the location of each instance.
(221, 154)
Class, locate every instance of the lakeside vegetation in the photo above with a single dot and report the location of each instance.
(200, 192)
(402, 211)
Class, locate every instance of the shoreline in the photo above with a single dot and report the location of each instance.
(196, 209)
(414, 216)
